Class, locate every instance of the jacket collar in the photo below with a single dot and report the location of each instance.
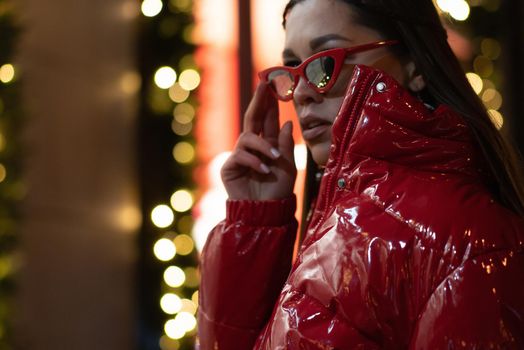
(379, 120)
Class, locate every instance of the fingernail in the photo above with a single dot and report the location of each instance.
(265, 168)
(275, 153)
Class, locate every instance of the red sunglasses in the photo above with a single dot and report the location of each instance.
(320, 70)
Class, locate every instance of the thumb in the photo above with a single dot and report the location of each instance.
(286, 144)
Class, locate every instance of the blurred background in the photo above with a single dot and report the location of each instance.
(115, 117)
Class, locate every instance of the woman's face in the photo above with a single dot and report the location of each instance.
(317, 25)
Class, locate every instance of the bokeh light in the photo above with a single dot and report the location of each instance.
(182, 200)
(184, 113)
(165, 77)
(185, 321)
(164, 249)
(171, 303)
(178, 94)
(492, 99)
(167, 343)
(174, 329)
(189, 79)
(151, 8)
(162, 216)
(192, 277)
(7, 73)
(496, 118)
(181, 129)
(3, 173)
(188, 306)
(184, 152)
(184, 244)
(174, 276)
(490, 48)
(475, 81)
(483, 66)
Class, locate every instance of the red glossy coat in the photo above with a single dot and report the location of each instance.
(406, 249)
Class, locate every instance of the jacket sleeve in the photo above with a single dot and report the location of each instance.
(244, 265)
(480, 305)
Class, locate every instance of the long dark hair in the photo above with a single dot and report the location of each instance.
(417, 25)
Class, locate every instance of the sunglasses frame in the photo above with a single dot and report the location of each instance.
(337, 54)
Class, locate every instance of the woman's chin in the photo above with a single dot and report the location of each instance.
(320, 153)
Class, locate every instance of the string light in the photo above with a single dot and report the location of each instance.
(3, 173)
(167, 343)
(181, 129)
(184, 244)
(192, 277)
(178, 94)
(182, 200)
(184, 113)
(151, 8)
(189, 79)
(162, 216)
(185, 321)
(476, 82)
(458, 9)
(497, 118)
(174, 276)
(164, 249)
(165, 77)
(174, 330)
(7, 73)
(184, 152)
(171, 303)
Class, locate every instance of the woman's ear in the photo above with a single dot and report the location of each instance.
(414, 81)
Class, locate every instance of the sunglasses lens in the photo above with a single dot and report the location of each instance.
(282, 82)
(320, 71)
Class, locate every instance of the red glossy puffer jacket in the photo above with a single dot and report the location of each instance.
(406, 249)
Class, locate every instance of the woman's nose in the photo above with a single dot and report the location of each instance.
(304, 93)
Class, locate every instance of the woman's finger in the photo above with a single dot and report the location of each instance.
(255, 114)
(271, 123)
(245, 159)
(286, 144)
(254, 142)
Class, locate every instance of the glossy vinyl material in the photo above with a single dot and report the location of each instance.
(406, 248)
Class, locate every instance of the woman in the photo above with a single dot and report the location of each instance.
(415, 236)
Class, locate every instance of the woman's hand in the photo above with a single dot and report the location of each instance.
(262, 165)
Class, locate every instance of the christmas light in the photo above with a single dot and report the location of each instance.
(189, 79)
(182, 200)
(151, 8)
(165, 77)
(164, 249)
(184, 152)
(475, 81)
(184, 244)
(171, 303)
(162, 216)
(184, 113)
(7, 73)
(178, 94)
(497, 118)
(3, 173)
(174, 276)
(174, 329)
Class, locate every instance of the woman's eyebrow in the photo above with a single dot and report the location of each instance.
(317, 42)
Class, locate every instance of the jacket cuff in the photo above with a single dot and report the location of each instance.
(277, 212)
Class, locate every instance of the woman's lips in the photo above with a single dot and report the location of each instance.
(312, 133)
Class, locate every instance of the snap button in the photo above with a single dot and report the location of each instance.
(381, 87)
(341, 183)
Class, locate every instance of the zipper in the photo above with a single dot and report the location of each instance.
(350, 129)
